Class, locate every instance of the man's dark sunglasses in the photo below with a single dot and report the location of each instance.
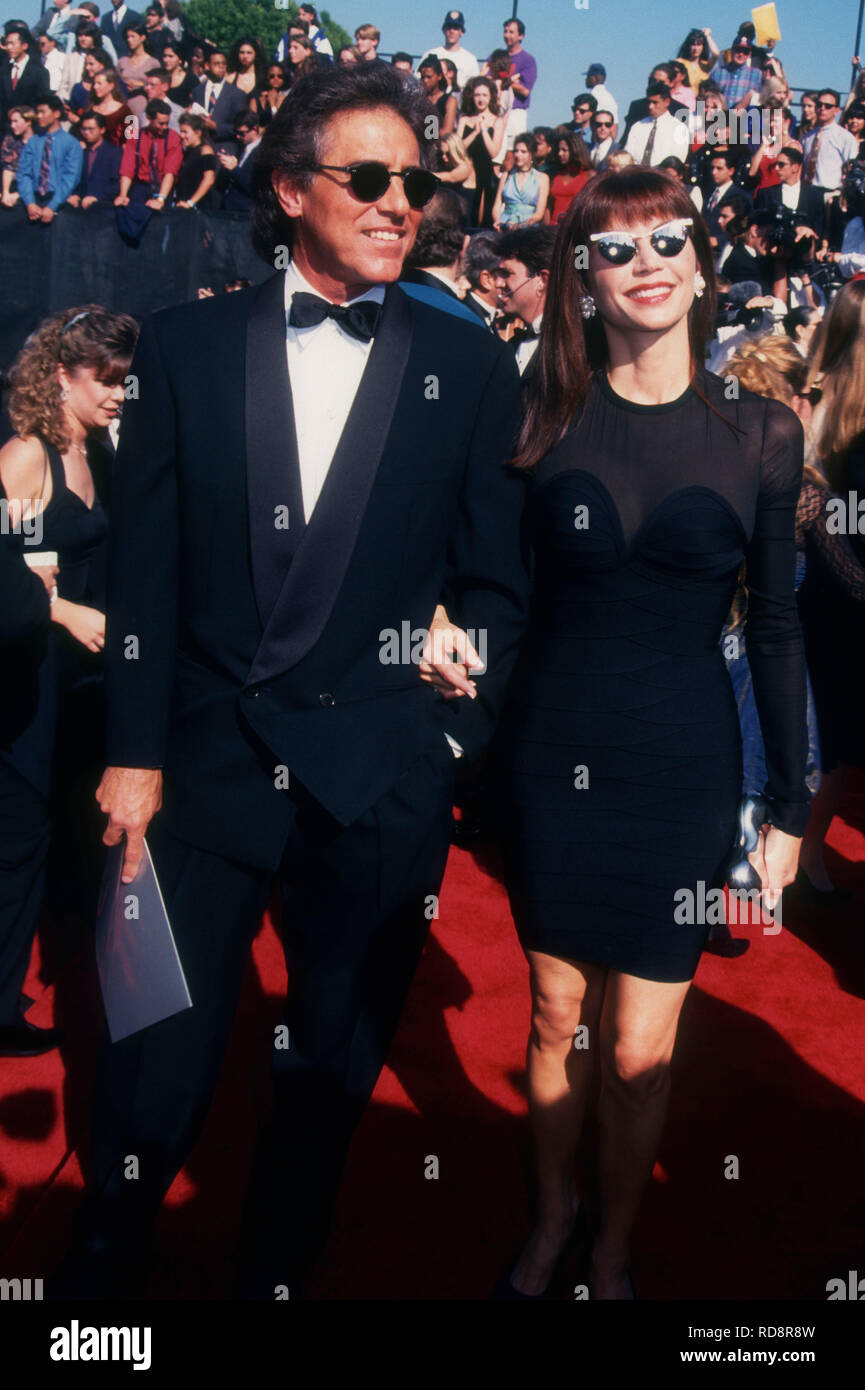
(602, 125)
(370, 180)
(826, 105)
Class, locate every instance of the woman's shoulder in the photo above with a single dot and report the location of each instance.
(777, 422)
(22, 461)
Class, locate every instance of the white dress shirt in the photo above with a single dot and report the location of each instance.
(837, 146)
(325, 366)
(671, 138)
(790, 194)
(528, 348)
(601, 150)
(605, 99)
(54, 64)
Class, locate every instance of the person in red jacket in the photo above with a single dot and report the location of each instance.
(151, 161)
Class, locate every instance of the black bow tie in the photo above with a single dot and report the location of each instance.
(522, 335)
(360, 320)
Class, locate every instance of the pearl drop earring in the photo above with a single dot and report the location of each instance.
(699, 285)
(588, 307)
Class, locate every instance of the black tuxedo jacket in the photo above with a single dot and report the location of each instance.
(237, 646)
(32, 84)
(810, 204)
(432, 282)
(238, 186)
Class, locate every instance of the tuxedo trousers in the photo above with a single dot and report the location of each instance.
(355, 915)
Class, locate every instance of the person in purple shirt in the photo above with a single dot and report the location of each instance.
(524, 75)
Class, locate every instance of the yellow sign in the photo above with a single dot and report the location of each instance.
(766, 24)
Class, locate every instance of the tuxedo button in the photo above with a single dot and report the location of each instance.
(253, 692)
(326, 699)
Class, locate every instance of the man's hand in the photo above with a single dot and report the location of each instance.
(48, 214)
(88, 201)
(130, 797)
(120, 201)
(228, 161)
(34, 212)
(73, 200)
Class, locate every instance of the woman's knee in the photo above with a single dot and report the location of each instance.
(640, 1069)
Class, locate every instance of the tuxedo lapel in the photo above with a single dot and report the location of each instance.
(272, 467)
(310, 588)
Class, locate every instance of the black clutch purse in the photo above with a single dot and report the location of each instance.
(739, 873)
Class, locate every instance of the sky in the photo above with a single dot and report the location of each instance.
(627, 36)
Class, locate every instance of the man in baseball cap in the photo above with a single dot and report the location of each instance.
(466, 64)
(596, 76)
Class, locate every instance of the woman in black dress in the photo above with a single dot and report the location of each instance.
(620, 750)
(67, 385)
(181, 83)
(481, 127)
(199, 169)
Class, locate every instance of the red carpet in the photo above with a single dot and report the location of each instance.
(768, 1068)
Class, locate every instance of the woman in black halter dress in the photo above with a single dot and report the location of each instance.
(67, 384)
(619, 751)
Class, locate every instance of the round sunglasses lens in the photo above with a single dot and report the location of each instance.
(419, 185)
(369, 182)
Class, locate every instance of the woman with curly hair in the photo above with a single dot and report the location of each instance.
(481, 127)
(67, 386)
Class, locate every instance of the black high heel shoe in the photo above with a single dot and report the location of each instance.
(503, 1289)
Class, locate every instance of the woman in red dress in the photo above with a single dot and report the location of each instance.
(574, 171)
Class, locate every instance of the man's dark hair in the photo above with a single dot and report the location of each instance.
(727, 155)
(800, 317)
(531, 246)
(292, 141)
(830, 92)
(658, 89)
(301, 24)
(545, 132)
(441, 233)
(512, 19)
(482, 253)
(585, 99)
(401, 57)
(96, 116)
(157, 107)
(154, 9)
(666, 68)
(217, 53)
(17, 26)
(50, 99)
(790, 152)
(160, 74)
(248, 118)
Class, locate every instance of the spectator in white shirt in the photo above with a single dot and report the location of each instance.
(320, 41)
(827, 148)
(466, 63)
(53, 60)
(659, 134)
(596, 76)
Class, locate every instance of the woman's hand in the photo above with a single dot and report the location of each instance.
(776, 859)
(87, 625)
(450, 678)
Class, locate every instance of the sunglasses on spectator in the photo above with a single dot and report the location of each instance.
(602, 125)
(668, 240)
(826, 105)
(370, 180)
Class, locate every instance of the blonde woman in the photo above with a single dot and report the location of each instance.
(456, 168)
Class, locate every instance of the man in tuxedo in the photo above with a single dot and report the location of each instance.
(236, 174)
(792, 193)
(23, 79)
(480, 265)
(311, 466)
(526, 254)
(434, 260)
(722, 167)
(115, 23)
(100, 170)
(222, 102)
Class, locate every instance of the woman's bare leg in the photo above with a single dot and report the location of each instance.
(565, 995)
(637, 1034)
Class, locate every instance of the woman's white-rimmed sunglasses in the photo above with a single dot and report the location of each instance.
(668, 240)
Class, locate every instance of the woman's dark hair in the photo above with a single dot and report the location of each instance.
(137, 28)
(680, 68)
(292, 142)
(578, 157)
(572, 348)
(693, 36)
(673, 163)
(854, 109)
(195, 122)
(467, 107)
(528, 140)
(800, 317)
